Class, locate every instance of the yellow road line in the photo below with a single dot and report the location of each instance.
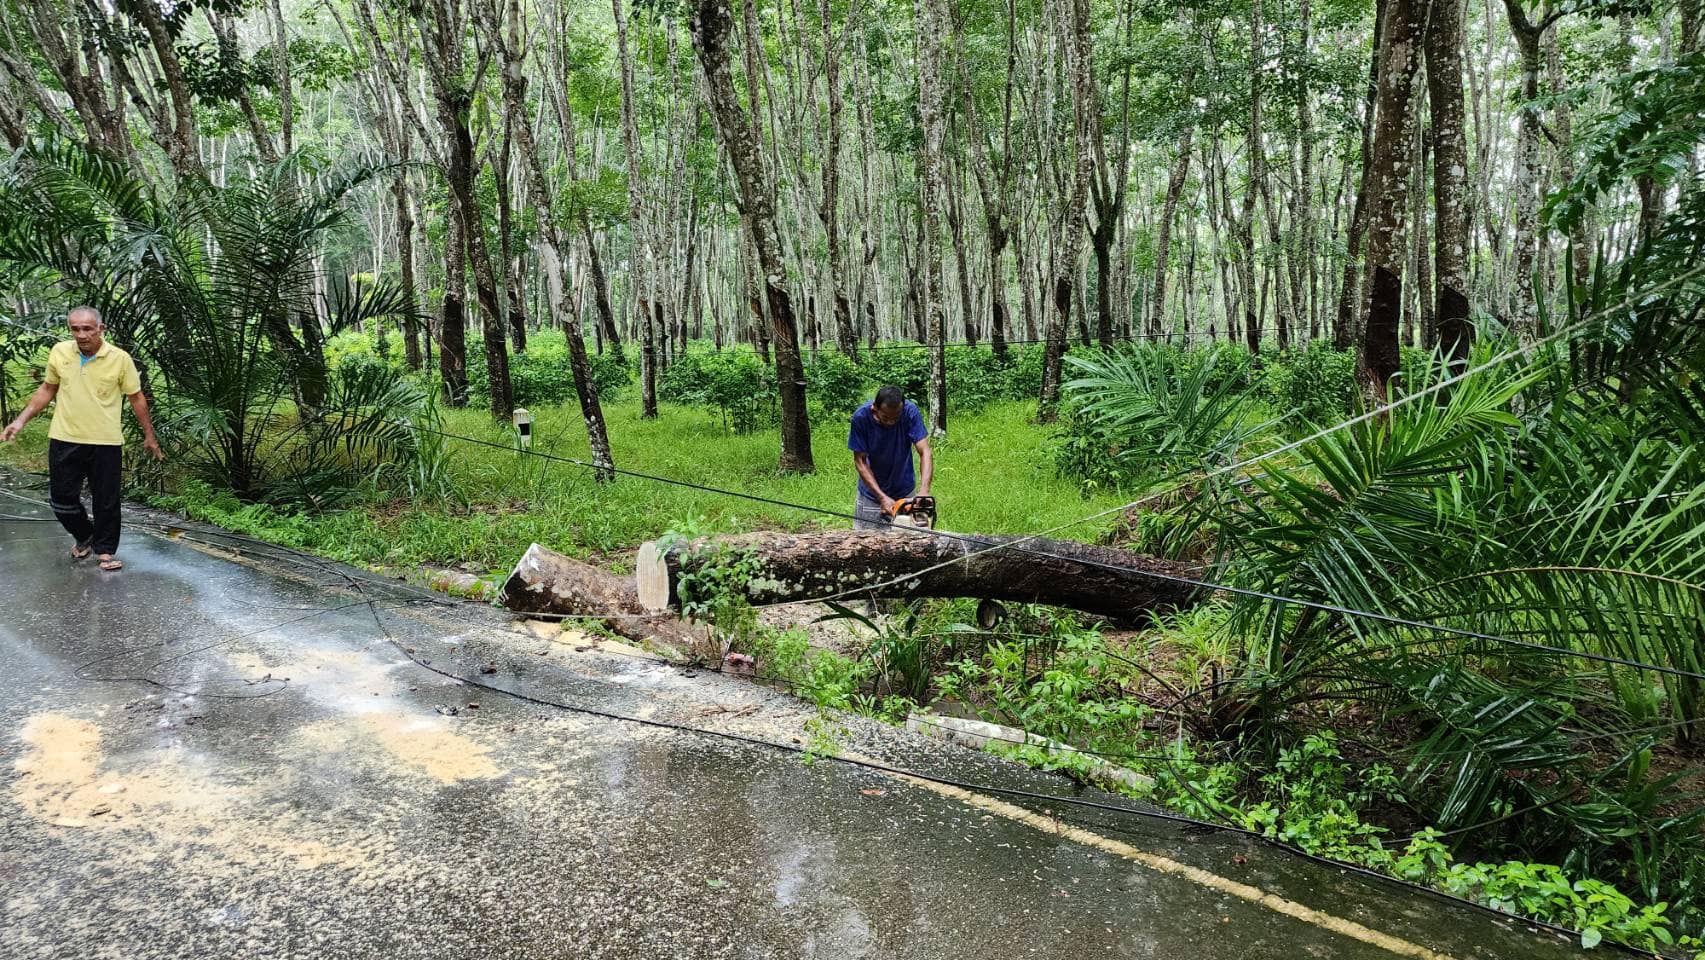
(1170, 867)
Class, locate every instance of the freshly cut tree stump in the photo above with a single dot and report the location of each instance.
(860, 564)
(545, 581)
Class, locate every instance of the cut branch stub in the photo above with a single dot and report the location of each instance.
(858, 564)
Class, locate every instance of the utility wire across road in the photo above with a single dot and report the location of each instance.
(968, 791)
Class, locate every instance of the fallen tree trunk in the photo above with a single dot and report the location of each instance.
(545, 581)
(861, 564)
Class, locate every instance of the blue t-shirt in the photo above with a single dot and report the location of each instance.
(889, 449)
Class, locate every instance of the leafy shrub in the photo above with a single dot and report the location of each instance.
(1091, 451)
(1316, 385)
(834, 384)
(22, 357)
(734, 381)
(1230, 363)
(543, 374)
(609, 374)
(906, 369)
(1024, 379)
(975, 378)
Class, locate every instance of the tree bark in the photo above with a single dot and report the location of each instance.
(1388, 189)
(1528, 173)
(1163, 233)
(1452, 213)
(932, 21)
(600, 288)
(182, 146)
(641, 256)
(1085, 118)
(405, 258)
(866, 563)
(453, 328)
(711, 26)
(281, 77)
(845, 336)
(507, 256)
(1344, 332)
(443, 39)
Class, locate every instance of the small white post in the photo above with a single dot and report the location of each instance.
(523, 427)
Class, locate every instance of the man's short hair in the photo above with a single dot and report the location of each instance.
(890, 396)
(91, 311)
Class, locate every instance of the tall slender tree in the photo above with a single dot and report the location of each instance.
(1452, 212)
(932, 102)
(1085, 114)
(641, 265)
(712, 28)
(1388, 191)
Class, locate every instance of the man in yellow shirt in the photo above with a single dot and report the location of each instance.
(88, 376)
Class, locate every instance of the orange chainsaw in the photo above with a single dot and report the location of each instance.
(918, 511)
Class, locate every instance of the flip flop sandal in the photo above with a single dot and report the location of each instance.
(81, 551)
(112, 563)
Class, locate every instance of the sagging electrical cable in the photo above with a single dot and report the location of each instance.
(987, 789)
(278, 552)
(983, 546)
(359, 586)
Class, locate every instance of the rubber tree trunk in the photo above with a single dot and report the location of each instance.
(453, 329)
(1163, 233)
(553, 248)
(1350, 287)
(711, 27)
(1388, 190)
(856, 564)
(1085, 116)
(1452, 216)
(640, 257)
(601, 289)
(1528, 175)
(932, 23)
(405, 257)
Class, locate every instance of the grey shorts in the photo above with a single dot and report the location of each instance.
(868, 515)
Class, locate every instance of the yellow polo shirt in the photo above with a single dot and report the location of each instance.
(90, 393)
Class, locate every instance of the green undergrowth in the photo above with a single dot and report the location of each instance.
(1047, 674)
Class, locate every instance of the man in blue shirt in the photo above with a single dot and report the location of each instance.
(883, 434)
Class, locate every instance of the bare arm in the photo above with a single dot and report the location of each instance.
(926, 466)
(38, 402)
(861, 463)
(139, 406)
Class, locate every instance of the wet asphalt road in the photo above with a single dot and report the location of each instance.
(204, 756)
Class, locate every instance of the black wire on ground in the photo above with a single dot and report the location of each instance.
(358, 585)
(971, 787)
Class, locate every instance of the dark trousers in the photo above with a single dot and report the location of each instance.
(68, 466)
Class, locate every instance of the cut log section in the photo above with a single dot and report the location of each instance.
(860, 564)
(545, 581)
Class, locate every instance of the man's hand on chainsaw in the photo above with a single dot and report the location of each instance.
(889, 504)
